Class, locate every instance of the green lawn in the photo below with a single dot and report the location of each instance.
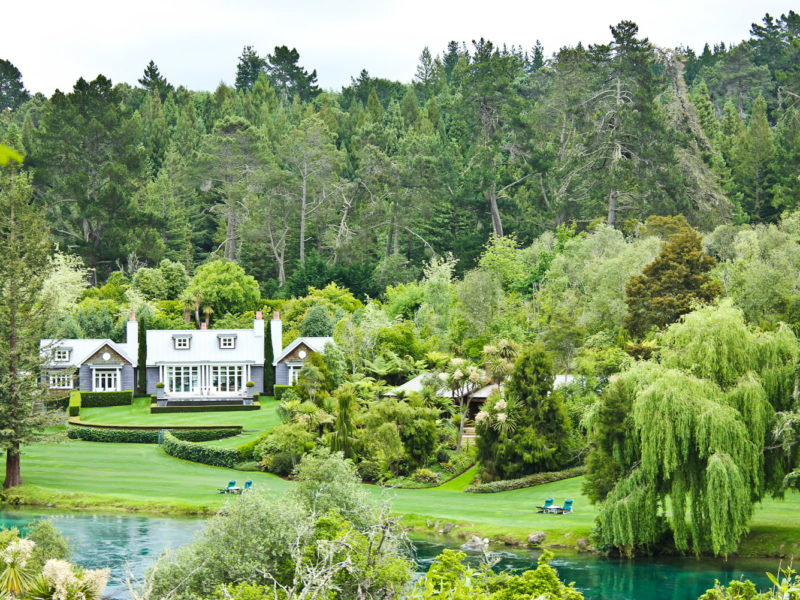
(254, 421)
(143, 476)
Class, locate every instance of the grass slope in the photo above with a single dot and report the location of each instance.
(142, 476)
(138, 413)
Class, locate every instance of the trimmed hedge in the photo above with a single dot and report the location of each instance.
(208, 455)
(54, 403)
(527, 481)
(236, 429)
(144, 436)
(156, 409)
(74, 408)
(280, 390)
(101, 399)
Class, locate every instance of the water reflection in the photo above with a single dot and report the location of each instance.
(120, 541)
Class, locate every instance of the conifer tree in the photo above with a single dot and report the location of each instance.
(141, 365)
(753, 161)
(24, 267)
(153, 81)
(670, 285)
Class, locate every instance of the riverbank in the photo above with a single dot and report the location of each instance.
(89, 476)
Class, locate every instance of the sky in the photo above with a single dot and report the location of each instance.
(197, 43)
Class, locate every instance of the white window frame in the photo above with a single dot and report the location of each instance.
(227, 342)
(227, 379)
(60, 380)
(183, 379)
(61, 355)
(106, 380)
(182, 342)
(294, 373)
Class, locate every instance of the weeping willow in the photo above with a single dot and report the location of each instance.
(701, 422)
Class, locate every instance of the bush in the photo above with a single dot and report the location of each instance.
(246, 449)
(281, 464)
(370, 471)
(523, 482)
(74, 404)
(249, 384)
(207, 455)
(442, 455)
(160, 385)
(233, 429)
(280, 390)
(156, 409)
(144, 436)
(55, 403)
(247, 465)
(425, 476)
(292, 439)
(95, 399)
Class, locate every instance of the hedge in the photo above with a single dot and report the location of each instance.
(156, 409)
(527, 481)
(74, 408)
(236, 429)
(280, 390)
(100, 399)
(53, 403)
(144, 436)
(208, 455)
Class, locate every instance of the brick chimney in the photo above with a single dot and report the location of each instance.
(276, 334)
(203, 326)
(258, 325)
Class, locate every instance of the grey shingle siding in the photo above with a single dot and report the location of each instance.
(85, 378)
(281, 374)
(152, 379)
(126, 377)
(257, 377)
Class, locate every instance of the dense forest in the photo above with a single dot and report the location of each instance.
(363, 186)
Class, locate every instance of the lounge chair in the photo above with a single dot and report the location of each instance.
(562, 510)
(546, 506)
(230, 489)
(247, 485)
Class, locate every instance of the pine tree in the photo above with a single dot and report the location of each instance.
(374, 108)
(250, 66)
(753, 162)
(153, 81)
(705, 109)
(670, 285)
(12, 91)
(24, 267)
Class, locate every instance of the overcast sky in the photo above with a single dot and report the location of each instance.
(197, 43)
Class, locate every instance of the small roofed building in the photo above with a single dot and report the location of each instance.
(91, 365)
(289, 360)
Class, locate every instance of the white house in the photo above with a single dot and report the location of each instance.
(100, 365)
(206, 363)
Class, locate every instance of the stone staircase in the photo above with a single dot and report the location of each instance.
(469, 434)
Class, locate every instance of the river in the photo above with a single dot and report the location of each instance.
(126, 542)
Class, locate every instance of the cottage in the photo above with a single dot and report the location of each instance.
(288, 361)
(100, 365)
(206, 364)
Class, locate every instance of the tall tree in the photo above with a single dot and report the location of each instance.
(250, 66)
(153, 81)
(24, 267)
(12, 91)
(89, 163)
(288, 77)
(753, 162)
(671, 284)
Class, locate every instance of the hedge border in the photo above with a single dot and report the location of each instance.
(76, 422)
(155, 409)
(74, 406)
(104, 399)
(200, 453)
(524, 482)
(279, 390)
(144, 436)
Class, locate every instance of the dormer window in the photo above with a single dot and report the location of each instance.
(61, 355)
(182, 342)
(227, 342)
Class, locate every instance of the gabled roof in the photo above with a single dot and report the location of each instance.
(204, 346)
(315, 344)
(415, 385)
(82, 350)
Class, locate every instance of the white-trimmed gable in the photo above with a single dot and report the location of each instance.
(315, 344)
(79, 351)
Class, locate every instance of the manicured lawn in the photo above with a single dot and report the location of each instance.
(254, 421)
(143, 476)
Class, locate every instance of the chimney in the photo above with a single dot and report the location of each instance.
(132, 332)
(276, 334)
(258, 325)
(203, 326)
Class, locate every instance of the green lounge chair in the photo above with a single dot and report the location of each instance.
(230, 489)
(248, 485)
(564, 509)
(548, 502)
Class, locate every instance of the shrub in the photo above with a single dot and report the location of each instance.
(233, 429)
(523, 482)
(160, 385)
(425, 476)
(95, 399)
(280, 390)
(292, 439)
(370, 471)
(442, 455)
(281, 464)
(250, 384)
(208, 455)
(204, 435)
(247, 465)
(54, 403)
(74, 404)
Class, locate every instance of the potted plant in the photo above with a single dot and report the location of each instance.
(160, 393)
